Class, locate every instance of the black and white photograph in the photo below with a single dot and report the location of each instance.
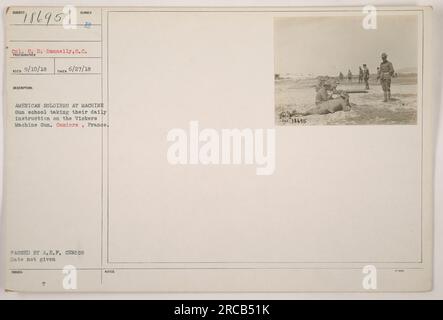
(334, 71)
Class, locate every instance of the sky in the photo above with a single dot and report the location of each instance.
(328, 45)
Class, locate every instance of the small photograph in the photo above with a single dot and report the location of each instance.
(333, 71)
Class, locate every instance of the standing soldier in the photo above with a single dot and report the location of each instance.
(360, 74)
(366, 76)
(385, 74)
(349, 75)
(378, 74)
(341, 76)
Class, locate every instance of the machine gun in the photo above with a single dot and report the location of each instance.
(355, 91)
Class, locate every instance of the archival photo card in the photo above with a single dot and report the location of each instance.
(243, 149)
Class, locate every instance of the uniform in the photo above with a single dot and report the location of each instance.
(322, 95)
(386, 72)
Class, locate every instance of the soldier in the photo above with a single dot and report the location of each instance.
(341, 76)
(326, 89)
(385, 74)
(349, 75)
(366, 76)
(360, 74)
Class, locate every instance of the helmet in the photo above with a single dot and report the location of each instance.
(384, 55)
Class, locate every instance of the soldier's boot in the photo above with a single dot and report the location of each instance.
(386, 96)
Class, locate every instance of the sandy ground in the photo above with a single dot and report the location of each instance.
(367, 108)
